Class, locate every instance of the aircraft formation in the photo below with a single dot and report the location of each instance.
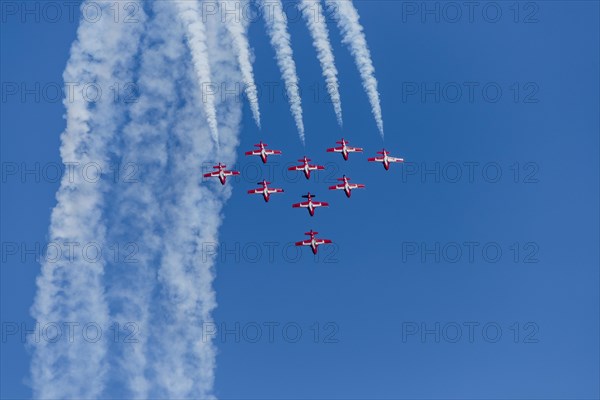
(306, 167)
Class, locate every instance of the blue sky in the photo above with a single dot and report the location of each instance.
(372, 294)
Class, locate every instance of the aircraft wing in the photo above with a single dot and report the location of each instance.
(320, 204)
(335, 150)
(353, 149)
(211, 174)
(271, 152)
(337, 187)
(301, 205)
(275, 190)
(377, 159)
(306, 242)
(395, 159)
(253, 153)
(356, 186)
(230, 173)
(255, 191)
(296, 168)
(323, 241)
(315, 167)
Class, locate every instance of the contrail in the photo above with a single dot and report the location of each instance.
(71, 288)
(312, 12)
(276, 23)
(138, 221)
(184, 359)
(190, 14)
(354, 37)
(237, 26)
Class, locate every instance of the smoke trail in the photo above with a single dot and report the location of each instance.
(354, 38)
(276, 23)
(71, 289)
(311, 10)
(237, 27)
(189, 12)
(184, 360)
(138, 222)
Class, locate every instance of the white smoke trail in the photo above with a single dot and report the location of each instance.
(71, 289)
(315, 20)
(276, 23)
(237, 26)
(354, 37)
(138, 221)
(185, 356)
(190, 14)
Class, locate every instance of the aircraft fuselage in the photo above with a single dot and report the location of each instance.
(306, 171)
(347, 190)
(314, 246)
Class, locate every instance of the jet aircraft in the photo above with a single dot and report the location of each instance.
(263, 152)
(385, 158)
(265, 190)
(344, 149)
(221, 173)
(346, 186)
(313, 242)
(306, 167)
(310, 205)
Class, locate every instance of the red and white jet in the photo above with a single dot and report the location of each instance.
(386, 159)
(310, 205)
(346, 186)
(306, 167)
(313, 242)
(266, 191)
(221, 173)
(263, 152)
(344, 149)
